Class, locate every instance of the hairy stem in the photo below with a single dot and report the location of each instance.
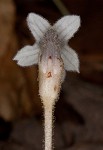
(48, 125)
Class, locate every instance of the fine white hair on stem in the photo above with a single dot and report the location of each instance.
(54, 57)
(48, 124)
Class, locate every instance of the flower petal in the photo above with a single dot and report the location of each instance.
(28, 61)
(70, 59)
(67, 26)
(27, 56)
(38, 25)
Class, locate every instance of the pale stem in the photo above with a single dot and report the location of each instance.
(48, 124)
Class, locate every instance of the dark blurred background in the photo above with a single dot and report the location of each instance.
(79, 111)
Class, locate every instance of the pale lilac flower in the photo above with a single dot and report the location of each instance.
(51, 42)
